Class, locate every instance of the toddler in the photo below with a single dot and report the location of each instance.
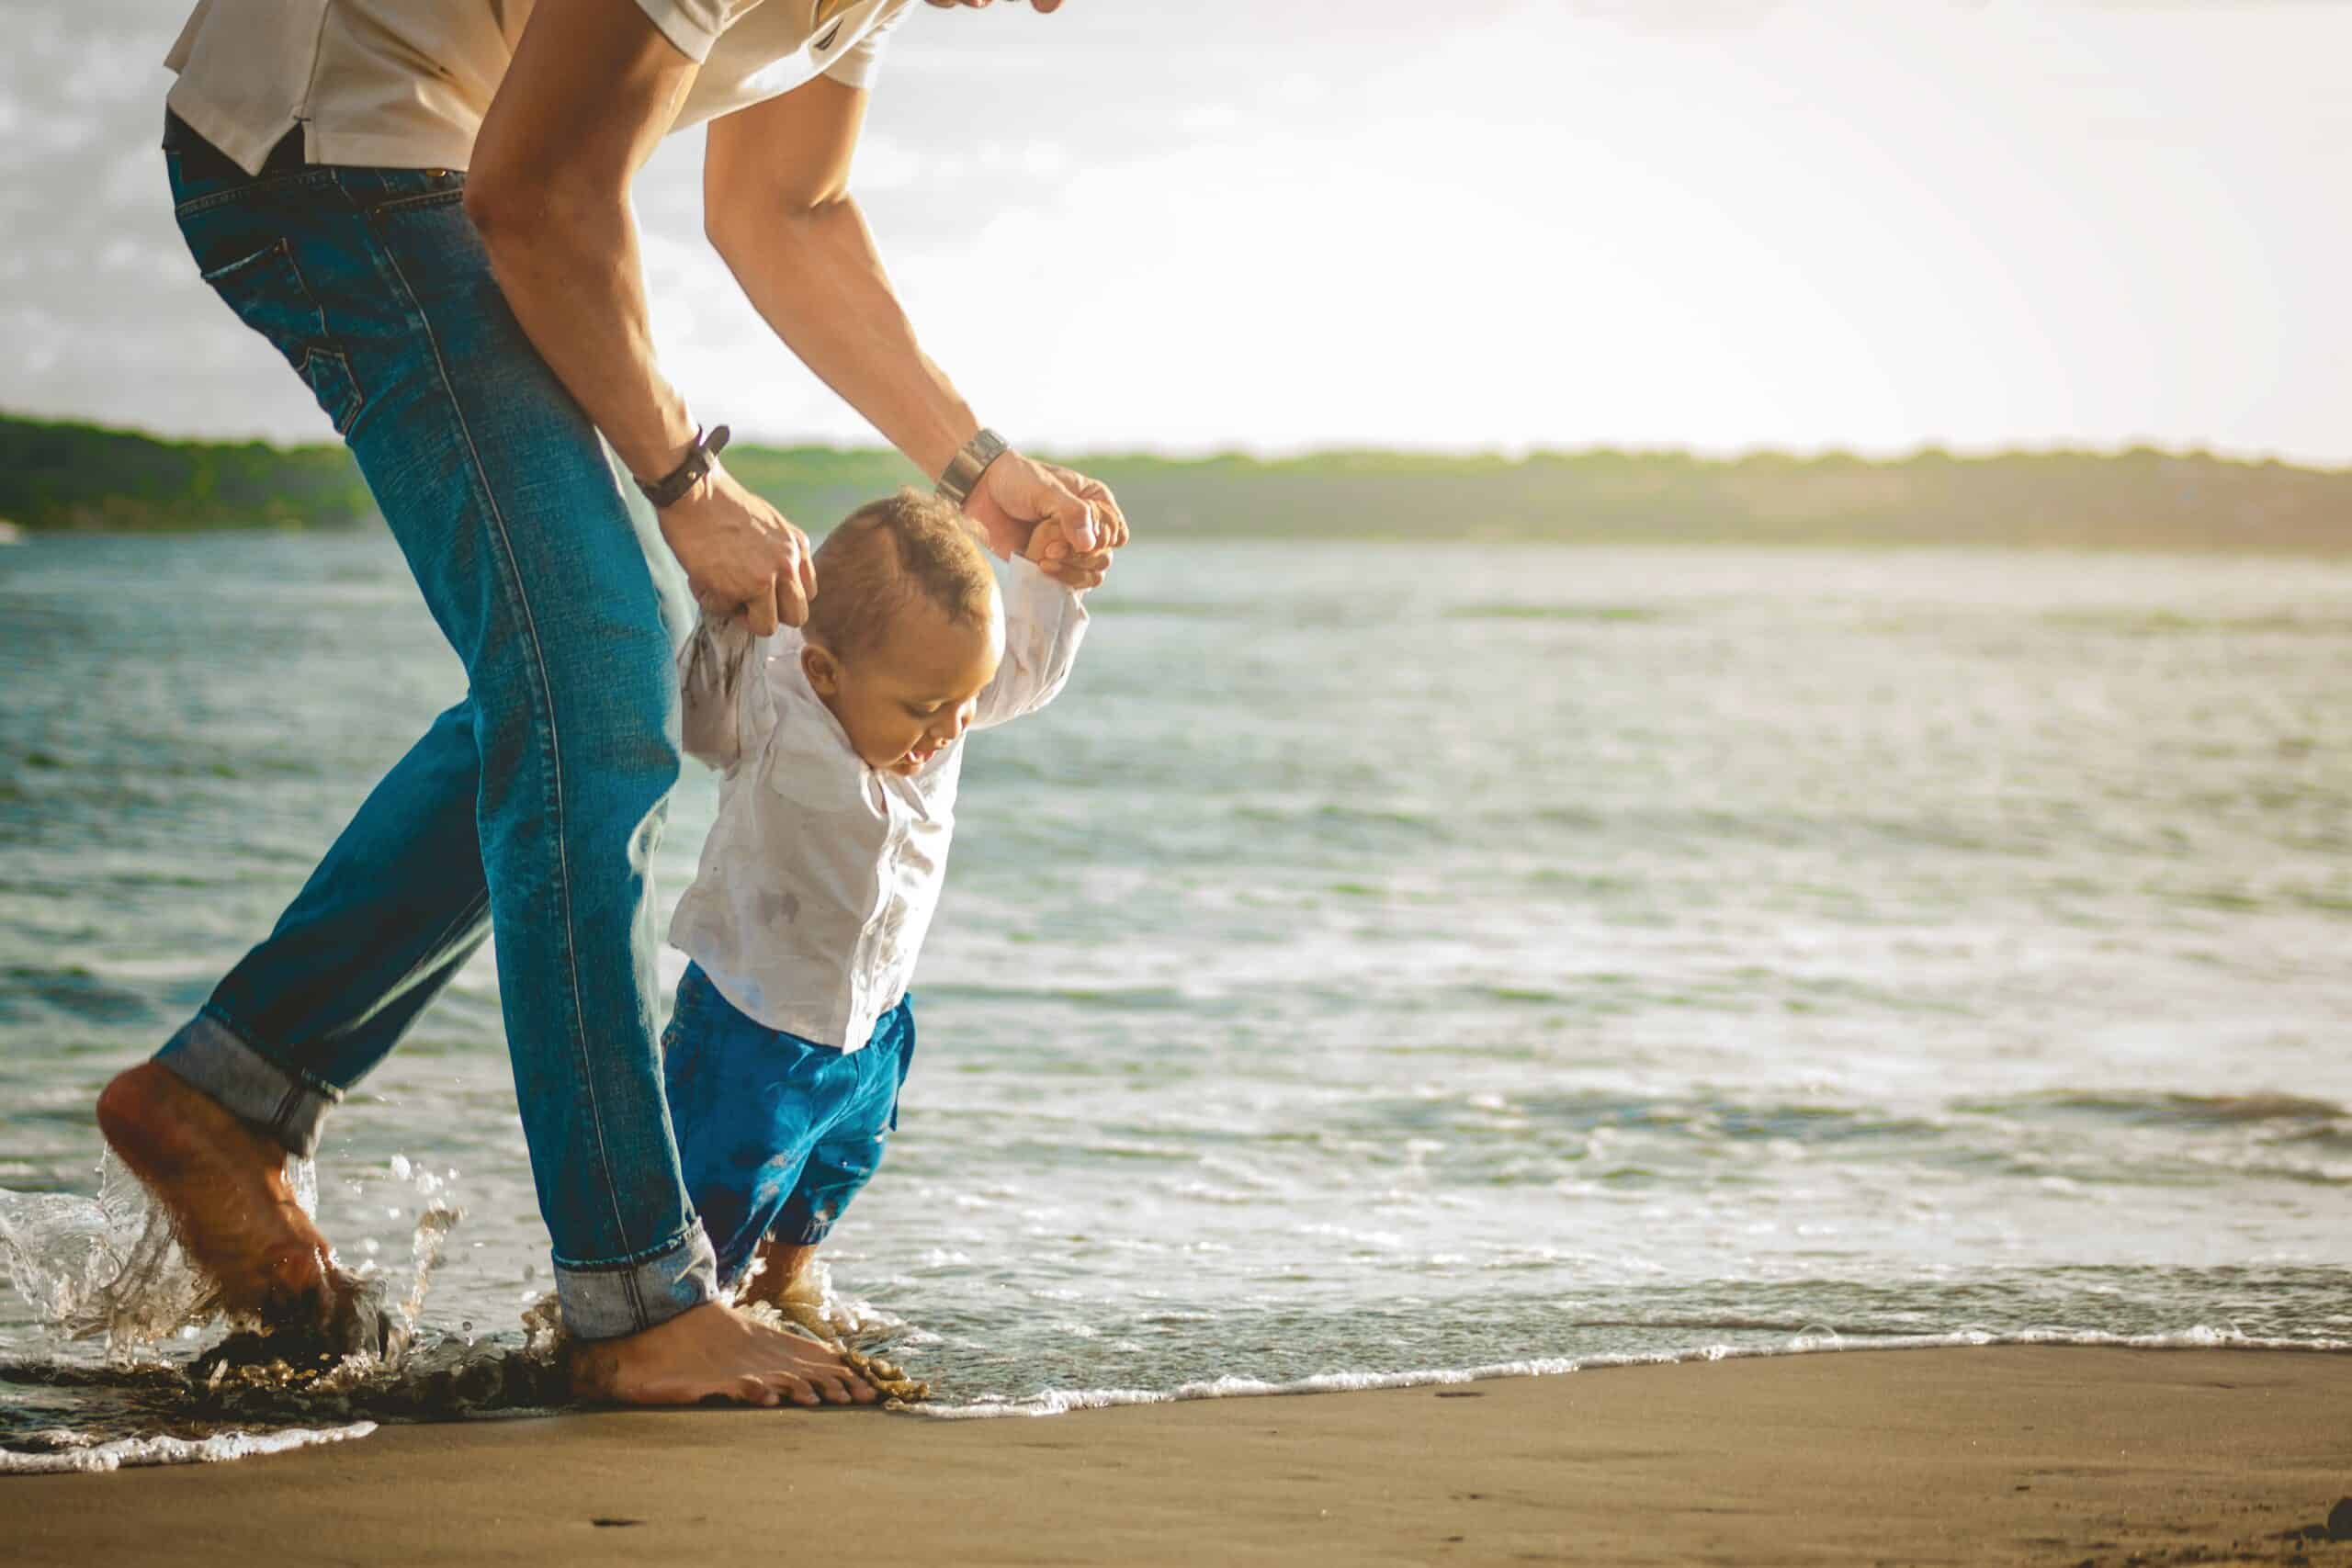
(841, 743)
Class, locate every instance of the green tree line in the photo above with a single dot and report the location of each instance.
(72, 475)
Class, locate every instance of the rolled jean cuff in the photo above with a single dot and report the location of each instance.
(215, 1061)
(606, 1300)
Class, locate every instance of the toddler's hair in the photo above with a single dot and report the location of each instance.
(886, 554)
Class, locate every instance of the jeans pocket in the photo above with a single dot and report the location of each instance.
(267, 291)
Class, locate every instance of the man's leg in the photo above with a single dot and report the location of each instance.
(390, 914)
(388, 918)
(512, 520)
(498, 493)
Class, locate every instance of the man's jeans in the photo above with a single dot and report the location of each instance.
(531, 808)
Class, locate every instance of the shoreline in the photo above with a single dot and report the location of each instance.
(2000, 1454)
(1224, 535)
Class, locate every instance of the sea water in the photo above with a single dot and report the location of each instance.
(1384, 961)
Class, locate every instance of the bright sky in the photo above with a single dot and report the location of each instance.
(1717, 224)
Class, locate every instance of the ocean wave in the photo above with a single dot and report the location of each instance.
(2166, 623)
(1605, 615)
(1809, 1341)
(2158, 1109)
(76, 990)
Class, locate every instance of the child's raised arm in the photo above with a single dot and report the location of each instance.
(1044, 623)
(723, 699)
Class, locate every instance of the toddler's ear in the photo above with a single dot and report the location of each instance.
(823, 671)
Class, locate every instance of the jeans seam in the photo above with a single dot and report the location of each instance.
(305, 1082)
(542, 691)
(421, 198)
(474, 906)
(267, 184)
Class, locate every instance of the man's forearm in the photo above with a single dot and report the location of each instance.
(817, 279)
(570, 272)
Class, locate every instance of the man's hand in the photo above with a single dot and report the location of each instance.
(1075, 569)
(741, 556)
(1016, 494)
(1054, 557)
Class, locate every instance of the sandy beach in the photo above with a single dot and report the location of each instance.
(1994, 1455)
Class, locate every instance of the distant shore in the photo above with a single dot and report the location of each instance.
(2006, 1454)
(59, 477)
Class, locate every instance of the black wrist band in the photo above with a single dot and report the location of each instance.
(672, 488)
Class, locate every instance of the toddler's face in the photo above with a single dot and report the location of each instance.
(910, 696)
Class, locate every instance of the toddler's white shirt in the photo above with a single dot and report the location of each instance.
(821, 874)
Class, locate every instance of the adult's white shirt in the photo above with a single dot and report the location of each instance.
(404, 83)
(821, 873)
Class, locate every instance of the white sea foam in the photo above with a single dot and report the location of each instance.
(1811, 1342)
(128, 1452)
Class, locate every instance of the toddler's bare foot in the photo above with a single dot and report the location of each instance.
(224, 1187)
(776, 1275)
(713, 1351)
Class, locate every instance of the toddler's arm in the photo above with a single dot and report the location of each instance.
(1044, 623)
(723, 698)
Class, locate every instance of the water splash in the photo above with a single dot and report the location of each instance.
(104, 1268)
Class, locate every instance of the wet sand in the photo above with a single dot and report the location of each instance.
(1973, 1456)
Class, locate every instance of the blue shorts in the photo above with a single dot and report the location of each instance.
(776, 1133)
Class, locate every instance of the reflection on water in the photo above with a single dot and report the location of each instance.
(1384, 958)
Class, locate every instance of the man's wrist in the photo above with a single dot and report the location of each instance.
(700, 460)
(962, 474)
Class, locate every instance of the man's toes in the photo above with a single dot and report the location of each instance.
(753, 1389)
(295, 1288)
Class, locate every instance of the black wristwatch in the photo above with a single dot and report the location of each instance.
(971, 460)
(671, 487)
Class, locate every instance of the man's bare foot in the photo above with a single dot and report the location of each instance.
(224, 1187)
(713, 1351)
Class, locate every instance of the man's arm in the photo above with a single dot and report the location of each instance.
(777, 208)
(593, 87)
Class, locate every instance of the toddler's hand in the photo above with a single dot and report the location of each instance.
(1050, 547)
